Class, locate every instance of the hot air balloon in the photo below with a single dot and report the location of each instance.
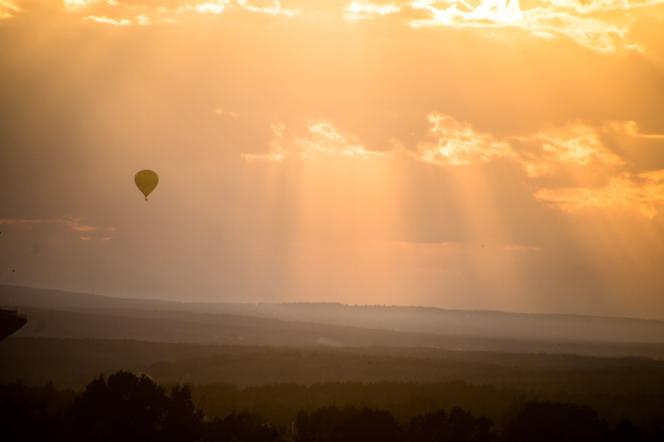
(146, 181)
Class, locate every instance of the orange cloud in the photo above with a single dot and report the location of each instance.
(8, 9)
(321, 138)
(632, 129)
(643, 192)
(576, 146)
(358, 10)
(74, 5)
(455, 143)
(549, 151)
(276, 149)
(73, 224)
(564, 18)
(226, 113)
(270, 8)
(108, 21)
(124, 13)
(599, 25)
(585, 7)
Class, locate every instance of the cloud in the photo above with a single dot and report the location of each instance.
(600, 25)
(209, 7)
(75, 5)
(73, 224)
(323, 138)
(585, 7)
(564, 18)
(358, 10)
(559, 162)
(108, 21)
(8, 9)
(124, 12)
(273, 8)
(276, 150)
(553, 151)
(454, 143)
(451, 142)
(226, 113)
(643, 192)
(320, 138)
(575, 144)
(631, 129)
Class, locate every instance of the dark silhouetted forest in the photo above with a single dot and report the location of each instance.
(279, 382)
(129, 407)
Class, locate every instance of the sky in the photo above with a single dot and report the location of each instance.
(478, 154)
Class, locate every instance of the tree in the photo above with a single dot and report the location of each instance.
(331, 424)
(241, 427)
(458, 426)
(126, 407)
(548, 422)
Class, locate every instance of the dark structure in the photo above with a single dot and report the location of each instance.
(10, 321)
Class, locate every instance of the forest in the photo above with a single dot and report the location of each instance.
(131, 407)
(102, 369)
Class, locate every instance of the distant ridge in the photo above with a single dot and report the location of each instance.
(96, 300)
(425, 320)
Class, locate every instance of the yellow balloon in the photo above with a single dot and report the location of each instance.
(146, 181)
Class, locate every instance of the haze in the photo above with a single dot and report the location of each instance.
(482, 155)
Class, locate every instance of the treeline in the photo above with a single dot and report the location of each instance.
(280, 403)
(126, 407)
(279, 382)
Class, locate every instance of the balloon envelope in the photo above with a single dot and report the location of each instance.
(146, 181)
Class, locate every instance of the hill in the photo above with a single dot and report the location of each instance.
(58, 314)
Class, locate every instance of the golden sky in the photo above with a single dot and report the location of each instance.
(464, 154)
